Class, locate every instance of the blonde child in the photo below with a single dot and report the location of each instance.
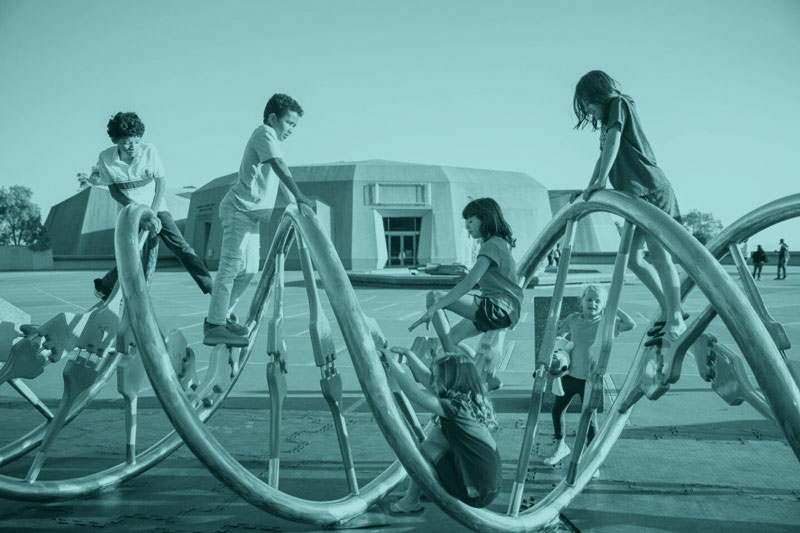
(498, 305)
(460, 447)
(628, 162)
(581, 329)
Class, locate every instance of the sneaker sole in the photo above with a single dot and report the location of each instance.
(234, 343)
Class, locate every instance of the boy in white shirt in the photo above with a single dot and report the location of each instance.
(250, 198)
(134, 174)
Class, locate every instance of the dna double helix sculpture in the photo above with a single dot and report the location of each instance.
(123, 335)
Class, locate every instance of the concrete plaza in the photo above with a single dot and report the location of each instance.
(687, 462)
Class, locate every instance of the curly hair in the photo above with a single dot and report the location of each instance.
(124, 125)
(595, 87)
(280, 104)
(488, 211)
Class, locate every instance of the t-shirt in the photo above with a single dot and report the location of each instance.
(257, 186)
(136, 181)
(582, 332)
(635, 169)
(499, 282)
(474, 449)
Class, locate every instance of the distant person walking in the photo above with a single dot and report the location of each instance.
(759, 258)
(556, 254)
(783, 259)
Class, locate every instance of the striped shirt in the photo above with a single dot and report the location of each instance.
(137, 179)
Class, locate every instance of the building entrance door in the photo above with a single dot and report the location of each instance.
(402, 240)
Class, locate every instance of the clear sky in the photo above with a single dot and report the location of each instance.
(461, 83)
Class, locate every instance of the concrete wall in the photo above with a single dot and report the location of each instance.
(23, 258)
(81, 228)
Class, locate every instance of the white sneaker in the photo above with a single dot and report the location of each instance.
(560, 450)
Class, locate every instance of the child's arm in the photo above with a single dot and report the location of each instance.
(625, 322)
(153, 225)
(117, 195)
(421, 372)
(280, 168)
(423, 398)
(462, 288)
(159, 194)
(606, 161)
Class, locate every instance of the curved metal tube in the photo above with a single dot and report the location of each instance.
(179, 410)
(733, 307)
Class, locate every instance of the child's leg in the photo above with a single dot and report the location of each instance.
(560, 449)
(106, 284)
(559, 406)
(465, 307)
(668, 274)
(433, 447)
(645, 271)
(173, 239)
(236, 227)
(252, 257)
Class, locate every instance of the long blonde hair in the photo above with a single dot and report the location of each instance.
(460, 381)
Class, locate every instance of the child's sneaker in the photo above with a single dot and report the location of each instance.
(560, 450)
(99, 290)
(217, 334)
(231, 323)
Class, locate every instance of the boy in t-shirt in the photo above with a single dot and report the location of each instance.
(134, 174)
(250, 199)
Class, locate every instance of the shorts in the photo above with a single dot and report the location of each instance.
(451, 480)
(490, 316)
(664, 198)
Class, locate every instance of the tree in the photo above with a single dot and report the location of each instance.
(21, 219)
(704, 226)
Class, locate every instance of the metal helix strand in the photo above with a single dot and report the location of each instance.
(732, 306)
(601, 352)
(540, 376)
(754, 295)
(62, 334)
(727, 372)
(276, 373)
(324, 357)
(179, 409)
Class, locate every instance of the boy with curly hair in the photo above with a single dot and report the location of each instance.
(250, 199)
(134, 174)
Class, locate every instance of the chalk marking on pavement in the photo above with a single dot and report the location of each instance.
(60, 299)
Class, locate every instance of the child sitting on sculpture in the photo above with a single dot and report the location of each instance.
(498, 305)
(134, 174)
(581, 329)
(460, 447)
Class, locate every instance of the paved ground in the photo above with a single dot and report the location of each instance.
(687, 462)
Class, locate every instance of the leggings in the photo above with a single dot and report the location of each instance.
(572, 386)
